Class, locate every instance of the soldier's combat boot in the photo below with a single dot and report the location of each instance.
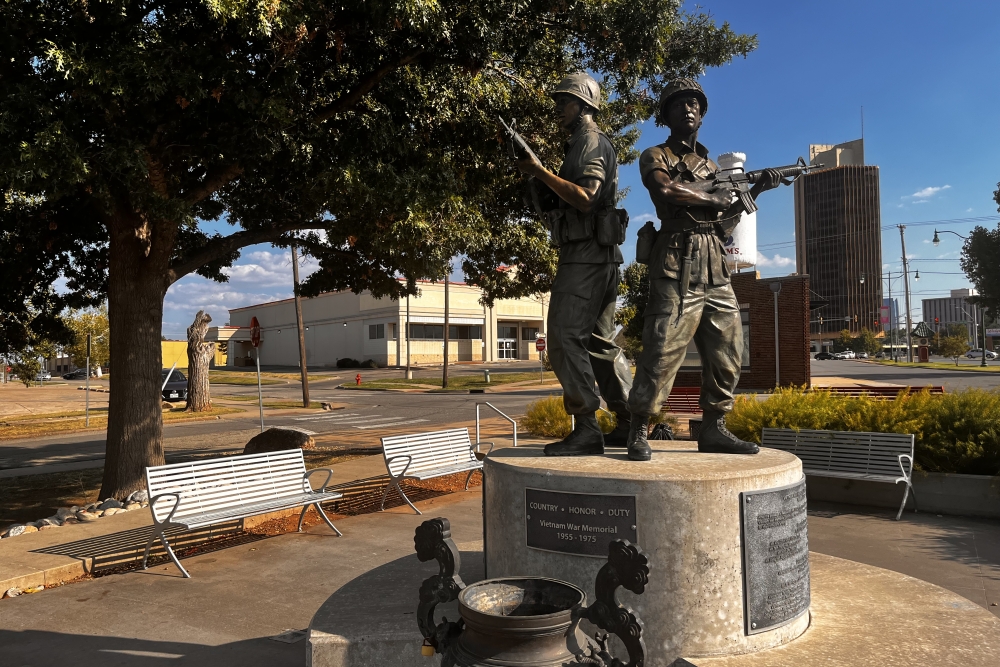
(619, 436)
(715, 438)
(638, 445)
(585, 440)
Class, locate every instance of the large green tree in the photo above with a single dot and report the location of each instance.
(133, 131)
(981, 263)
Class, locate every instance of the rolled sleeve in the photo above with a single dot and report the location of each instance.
(653, 159)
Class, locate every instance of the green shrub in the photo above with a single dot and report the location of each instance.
(958, 433)
(548, 418)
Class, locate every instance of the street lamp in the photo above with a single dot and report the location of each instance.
(862, 279)
(937, 239)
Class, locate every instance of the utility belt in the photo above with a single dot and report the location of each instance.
(646, 237)
(607, 225)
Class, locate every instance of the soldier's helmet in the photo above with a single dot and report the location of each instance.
(679, 87)
(582, 86)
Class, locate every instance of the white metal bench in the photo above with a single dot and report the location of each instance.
(202, 493)
(429, 455)
(874, 457)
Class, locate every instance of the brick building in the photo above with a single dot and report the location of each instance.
(757, 308)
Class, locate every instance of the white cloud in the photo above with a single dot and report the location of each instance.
(925, 241)
(259, 276)
(968, 210)
(642, 218)
(927, 193)
(778, 261)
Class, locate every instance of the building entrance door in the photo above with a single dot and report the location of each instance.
(506, 342)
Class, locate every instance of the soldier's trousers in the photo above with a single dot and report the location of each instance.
(711, 316)
(581, 329)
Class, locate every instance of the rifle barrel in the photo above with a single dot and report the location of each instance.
(788, 171)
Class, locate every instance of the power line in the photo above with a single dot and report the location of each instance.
(940, 223)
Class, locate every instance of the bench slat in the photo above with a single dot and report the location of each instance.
(857, 455)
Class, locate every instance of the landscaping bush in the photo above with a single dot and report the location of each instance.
(957, 433)
(347, 362)
(547, 417)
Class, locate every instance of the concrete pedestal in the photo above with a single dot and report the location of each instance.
(688, 524)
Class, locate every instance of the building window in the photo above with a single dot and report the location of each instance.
(465, 332)
(529, 333)
(427, 331)
(392, 330)
(376, 331)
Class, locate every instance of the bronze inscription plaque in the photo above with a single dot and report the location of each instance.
(577, 523)
(775, 556)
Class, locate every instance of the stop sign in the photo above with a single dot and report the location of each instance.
(540, 344)
(254, 332)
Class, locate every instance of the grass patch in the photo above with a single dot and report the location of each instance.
(953, 433)
(941, 365)
(35, 497)
(250, 378)
(25, 426)
(313, 405)
(456, 383)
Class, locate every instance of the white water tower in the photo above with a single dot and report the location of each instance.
(741, 246)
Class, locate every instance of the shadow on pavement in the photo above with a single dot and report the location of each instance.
(41, 648)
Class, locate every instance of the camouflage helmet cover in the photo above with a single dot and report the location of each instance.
(582, 86)
(678, 87)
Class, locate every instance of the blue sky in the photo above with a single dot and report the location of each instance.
(925, 72)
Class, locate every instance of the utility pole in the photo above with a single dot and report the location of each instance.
(893, 317)
(298, 324)
(444, 379)
(776, 288)
(409, 373)
(906, 288)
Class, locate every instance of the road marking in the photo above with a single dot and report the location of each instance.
(324, 417)
(399, 423)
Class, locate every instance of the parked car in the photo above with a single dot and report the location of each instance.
(43, 376)
(176, 389)
(79, 374)
(862, 355)
(847, 354)
(824, 356)
(978, 354)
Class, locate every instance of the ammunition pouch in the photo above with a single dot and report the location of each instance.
(568, 225)
(645, 241)
(611, 225)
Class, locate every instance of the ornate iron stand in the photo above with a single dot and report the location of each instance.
(527, 621)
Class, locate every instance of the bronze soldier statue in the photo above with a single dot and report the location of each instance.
(588, 230)
(689, 291)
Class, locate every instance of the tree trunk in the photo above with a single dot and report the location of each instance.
(137, 283)
(200, 355)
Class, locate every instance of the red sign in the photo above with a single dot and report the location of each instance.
(540, 344)
(254, 332)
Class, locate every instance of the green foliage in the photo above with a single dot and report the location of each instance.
(981, 263)
(547, 417)
(26, 367)
(867, 342)
(845, 342)
(95, 323)
(634, 292)
(954, 346)
(958, 433)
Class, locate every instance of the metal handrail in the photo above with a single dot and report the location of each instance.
(499, 412)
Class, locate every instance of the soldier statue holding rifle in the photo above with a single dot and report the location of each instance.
(690, 296)
(578, 205)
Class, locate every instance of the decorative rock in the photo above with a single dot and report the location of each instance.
(109, 504)
(48, 526)
(91, 507)
(51, 521)
(29, 529)
(12, 592)
(70, 520)
(64, 512)
(132, 506)
(15, 530)
(279, 439)
(138, 497)
(87, 516)
(111, 511)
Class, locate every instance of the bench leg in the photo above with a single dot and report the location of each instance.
(149, 544)
(170, 552)
(385, 495)
(468, 479)
(906, 492)
(327, 519)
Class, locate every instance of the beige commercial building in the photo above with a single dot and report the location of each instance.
(342, 325)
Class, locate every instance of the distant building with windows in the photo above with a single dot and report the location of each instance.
(342, 325)
(939, 313)
(838, 240)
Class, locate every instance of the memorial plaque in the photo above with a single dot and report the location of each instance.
(775, 556)
(577, 523)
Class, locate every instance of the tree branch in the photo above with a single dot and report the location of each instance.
(366, 85)
(213, 181)
(221, 246)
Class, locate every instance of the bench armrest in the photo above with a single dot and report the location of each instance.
(409, 460)
(152, 505)
(909, 460)
(475, 450)
(307, 487)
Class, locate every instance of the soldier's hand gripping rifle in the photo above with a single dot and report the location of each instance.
(542, 198)
(739, 181)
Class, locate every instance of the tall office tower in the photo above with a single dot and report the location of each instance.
(838, 240)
